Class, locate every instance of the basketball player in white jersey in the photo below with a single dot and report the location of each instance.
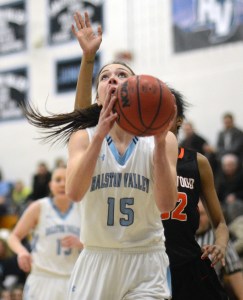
(123, 183)
(54, 223)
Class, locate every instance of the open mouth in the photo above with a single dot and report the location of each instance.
(113, 91)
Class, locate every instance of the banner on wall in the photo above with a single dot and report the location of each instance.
(67, 72)
(14, 86)
(61, 17)
(206, 23)
(13, 19)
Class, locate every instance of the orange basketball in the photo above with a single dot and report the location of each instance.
(145, 105)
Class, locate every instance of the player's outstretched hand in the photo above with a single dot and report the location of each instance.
(215, 252)
(88, 40)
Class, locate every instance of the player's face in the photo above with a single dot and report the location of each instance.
(57, 183)
(111, 76)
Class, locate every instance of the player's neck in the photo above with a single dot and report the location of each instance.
(120, 138)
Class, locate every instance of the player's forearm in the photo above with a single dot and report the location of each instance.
(80, 170)
(236, 284)
(165, 188)
(222, 235)
(15, 244)
(83, 96)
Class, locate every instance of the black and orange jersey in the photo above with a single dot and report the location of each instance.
(180, 225)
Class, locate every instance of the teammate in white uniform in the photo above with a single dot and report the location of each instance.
(55, 244)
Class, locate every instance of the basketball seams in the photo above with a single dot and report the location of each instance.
(139, 105)
(150, 126)
(133, 106)
(125, 118)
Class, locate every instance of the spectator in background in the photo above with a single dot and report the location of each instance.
(5, 294)
(5, 193)
(60, 162)
(195, 142)
(17, 293)
(229, 186)
(20, 195)
(231, 274)
(192, 140)
(10, 273)
(236, 231)
(40, 182)
(230, 139)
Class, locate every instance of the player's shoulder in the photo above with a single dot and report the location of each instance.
(202, 159)
(204, 166)
(33, 208)
(80, 138)
(82, 133)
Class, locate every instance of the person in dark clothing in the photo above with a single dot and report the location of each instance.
(196, 142)
(229, 181)
(192, 272)
(40, 183)
(192, 140)
(230, 138)
(9, 266)
(229, 186)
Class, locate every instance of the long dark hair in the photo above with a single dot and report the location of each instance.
(61, 126)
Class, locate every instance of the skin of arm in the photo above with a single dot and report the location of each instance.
(89, 43)
(165, 175)
(83, 154)
(210, 201)
(26, 223)
(235, 281)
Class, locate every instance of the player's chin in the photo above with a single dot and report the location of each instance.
(62, 196)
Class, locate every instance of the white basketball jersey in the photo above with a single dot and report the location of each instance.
(119, 209)
(47, 252)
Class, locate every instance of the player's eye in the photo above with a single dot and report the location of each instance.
(58, 180)
(122, 75)
(104, 77)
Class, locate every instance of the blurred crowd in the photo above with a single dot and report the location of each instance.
(226, 159)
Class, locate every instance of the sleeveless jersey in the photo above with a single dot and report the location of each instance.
(47, 252)
(119, 209)
(181, 224)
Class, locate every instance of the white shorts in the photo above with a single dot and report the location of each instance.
(42, 286)
(117, 274)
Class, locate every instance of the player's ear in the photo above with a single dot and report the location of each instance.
(179, 121)
(97, 100)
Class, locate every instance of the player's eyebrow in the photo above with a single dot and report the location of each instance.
(121, 69)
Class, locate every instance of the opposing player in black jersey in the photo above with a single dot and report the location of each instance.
(192, 272)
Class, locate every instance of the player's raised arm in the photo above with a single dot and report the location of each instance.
(83, 153)
(89, 42)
